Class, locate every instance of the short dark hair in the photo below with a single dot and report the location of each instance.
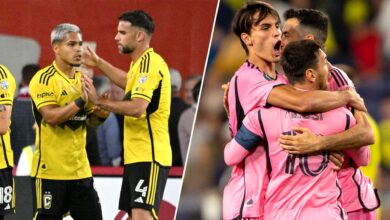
(28, 72)
(297, 57)
(314, 20)
(140, 19)
(243, 19)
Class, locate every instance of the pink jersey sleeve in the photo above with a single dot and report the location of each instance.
(234, 153)
(338, 79)
(246, 140)
(248, 89)
(361, 155)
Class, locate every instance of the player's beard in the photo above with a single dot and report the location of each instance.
(126, 50)
(75, 64)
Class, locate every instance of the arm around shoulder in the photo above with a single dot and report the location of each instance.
(361, 134)
(288, 97)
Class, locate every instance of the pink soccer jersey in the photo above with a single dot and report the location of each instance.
(358, 191)
(249, 88)
(300, 186)
(242, 197)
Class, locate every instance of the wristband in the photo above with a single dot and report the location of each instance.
(79, 102)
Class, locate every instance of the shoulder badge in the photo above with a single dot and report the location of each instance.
(4, 84)
(142, 79)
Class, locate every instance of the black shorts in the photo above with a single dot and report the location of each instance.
(7, 192)
(58, 197)
(143, 187)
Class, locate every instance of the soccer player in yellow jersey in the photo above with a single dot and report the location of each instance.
(61, 172)
(7, 195)
(147, 149)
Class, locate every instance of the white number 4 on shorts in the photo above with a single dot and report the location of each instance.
(139, 188)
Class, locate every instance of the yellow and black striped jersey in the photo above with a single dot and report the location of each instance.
(7, 90)
(146, 139)
(60, 152)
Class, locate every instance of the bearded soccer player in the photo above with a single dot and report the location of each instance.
(300, 186)
(61, 172)
(147, 149)
(7, 194)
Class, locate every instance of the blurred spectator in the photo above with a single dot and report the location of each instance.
(189, 84)
(335, 11)
(178, 106)
(366, 47)
(186, 121)
(108, 134)
(118, 93)
(92, 147)
(22, 131)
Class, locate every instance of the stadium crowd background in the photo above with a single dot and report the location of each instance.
(359, 37)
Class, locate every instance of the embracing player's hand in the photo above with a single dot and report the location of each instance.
(356, 101)
(305, 141)
(90, 58)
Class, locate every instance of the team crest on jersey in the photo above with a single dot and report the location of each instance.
(142, 79)
(4, 84)
(47, 199)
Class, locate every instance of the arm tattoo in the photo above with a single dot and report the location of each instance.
(2, 108)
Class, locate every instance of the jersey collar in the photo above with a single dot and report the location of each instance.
(265, 75)
(63, 75)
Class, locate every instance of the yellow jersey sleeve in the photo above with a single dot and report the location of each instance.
(42, 92)
(7, 86)
(147, 81)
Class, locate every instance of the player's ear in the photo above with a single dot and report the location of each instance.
(311, 75)
(140, 36)
(246, 39)
(55, 47)
(309, 37)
